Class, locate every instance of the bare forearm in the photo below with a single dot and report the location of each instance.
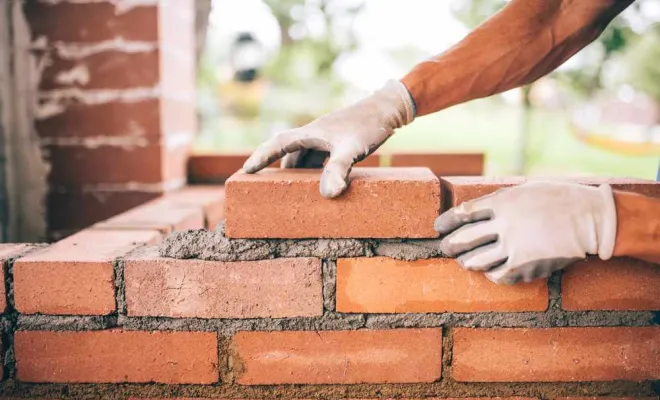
(523, 42)
(638, 226)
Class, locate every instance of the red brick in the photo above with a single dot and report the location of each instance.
(178, 117)
(338, 357)
(278, 288)
(174, 162)
(606, 398)
(91, 21)
(159, 214)
(556, 354)
(456, 190)
(77, 209)
(106, 121)
(384, 285)
(448, 164)
(80, 165)
(616, 284)
(380, 203)
(210, 198)
(74, 276)
(115, 356)
(8, 251)
(104, 70)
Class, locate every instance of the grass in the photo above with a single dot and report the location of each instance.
(478, 126)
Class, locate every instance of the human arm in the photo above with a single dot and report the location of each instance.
(530, 231)
(524, 41)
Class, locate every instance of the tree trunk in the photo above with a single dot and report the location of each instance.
(525, 130)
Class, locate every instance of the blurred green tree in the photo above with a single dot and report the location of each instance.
(643, 66)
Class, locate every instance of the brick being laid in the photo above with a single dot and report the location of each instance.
(380, 203)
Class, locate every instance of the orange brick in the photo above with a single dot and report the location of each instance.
(7, 251)
(161, 214)
(380, 203)
(278, 288)
(606, 398)
(456, 190)
(210, 198)
(115, 356)
(448, 164)
(616, 284)
(338, 357)
(384, 285)
(556, 354)
(74, 276)
(215, 168)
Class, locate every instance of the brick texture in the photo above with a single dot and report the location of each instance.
(556, 354)
(384, 285)
(115, 356)
(161, 214)
(380, 203)
(616, 284)
(74, 276)
(338, 357)
(278, 288)
(456, 190)
(449, 164)
(8, 251)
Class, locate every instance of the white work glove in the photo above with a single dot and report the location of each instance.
(347, 136)
(530, 231)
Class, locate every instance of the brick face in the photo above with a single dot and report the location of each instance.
(8, 251)
(91, 21)
(338, 357)
(74, 276)
(279, 288)
(456, 190)
(616, 284)
(443, 164)
(116, 356)
(104, 70)
(384, 285)
(380, 203)
(159, 215)
(556, 354)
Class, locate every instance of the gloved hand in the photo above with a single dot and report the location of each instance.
(347, 136)
(530, 231)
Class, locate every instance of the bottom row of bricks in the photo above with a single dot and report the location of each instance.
(341, 357)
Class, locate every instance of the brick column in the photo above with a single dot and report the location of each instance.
(116, 109)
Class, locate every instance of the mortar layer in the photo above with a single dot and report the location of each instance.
(214, 246)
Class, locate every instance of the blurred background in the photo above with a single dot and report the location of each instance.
(269, 65)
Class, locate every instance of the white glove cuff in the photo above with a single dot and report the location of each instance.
(407, 107)
(607, 228)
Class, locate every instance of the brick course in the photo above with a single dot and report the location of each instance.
(462, 164)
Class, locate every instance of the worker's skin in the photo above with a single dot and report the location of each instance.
(520, 233)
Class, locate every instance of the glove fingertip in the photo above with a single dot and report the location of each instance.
(332, 185)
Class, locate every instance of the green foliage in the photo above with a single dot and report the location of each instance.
(643, 61)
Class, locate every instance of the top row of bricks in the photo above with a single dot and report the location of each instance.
(380, 202)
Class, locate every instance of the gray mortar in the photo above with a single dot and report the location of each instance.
(214, 246)
(329, 280)
(40, 322)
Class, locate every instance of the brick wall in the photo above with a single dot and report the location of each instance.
(116, 103)
(107, 316)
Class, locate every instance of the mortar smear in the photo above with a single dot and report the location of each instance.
(214, 246)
